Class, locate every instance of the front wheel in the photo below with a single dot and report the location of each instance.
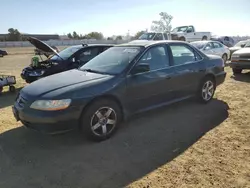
(206, 90)
(101, 119)
(237, 71)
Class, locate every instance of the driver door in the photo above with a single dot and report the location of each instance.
(154, 87)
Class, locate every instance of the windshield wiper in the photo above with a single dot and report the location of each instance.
(94, 71)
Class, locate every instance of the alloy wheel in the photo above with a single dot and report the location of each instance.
(103, 121)
(208, 90)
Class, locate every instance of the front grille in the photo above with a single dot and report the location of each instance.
(20, 100)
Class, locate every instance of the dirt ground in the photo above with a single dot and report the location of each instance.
(182, 145)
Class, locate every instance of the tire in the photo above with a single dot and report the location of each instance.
(224, 57)
(90, 118)
(237, 71)
(182, 39)
(12, 89)
(204, 38)
(206, 90)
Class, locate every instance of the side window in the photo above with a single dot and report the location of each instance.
(217, 45)
(182, 54)
(88, 54)
(226, 39)
(156, 57)
(158, 36)
(209, 46)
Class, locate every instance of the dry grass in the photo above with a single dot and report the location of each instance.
(184, 145)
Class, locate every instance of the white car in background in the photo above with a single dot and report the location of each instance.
(213, 48)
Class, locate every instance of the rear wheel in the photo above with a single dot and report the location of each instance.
(237, 71)
(182, 39)
(204, 38)
(101, 119)
(206, 90)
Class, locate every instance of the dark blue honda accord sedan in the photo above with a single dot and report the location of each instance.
(124, 80)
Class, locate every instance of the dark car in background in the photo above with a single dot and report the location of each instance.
(226, 40)
(69, 58)
(240, 59)
(3, 53)
(124, 80)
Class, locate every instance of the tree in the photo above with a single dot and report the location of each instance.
(138, 34)
(164, 24)
(119, 37)
(95, 35)
(70, 35)
(109, 38)
(75, 35)
(14, 35)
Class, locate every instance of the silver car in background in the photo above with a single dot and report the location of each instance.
(213, 48)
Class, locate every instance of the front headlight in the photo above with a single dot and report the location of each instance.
(51, 105)
(37, 73)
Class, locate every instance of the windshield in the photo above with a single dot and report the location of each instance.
(199, 45)
(180, 29)
(247, 45)
(66, 53)
(147, 36)
(240, 43)
(112, 61)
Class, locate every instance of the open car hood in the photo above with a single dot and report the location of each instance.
(42, 46)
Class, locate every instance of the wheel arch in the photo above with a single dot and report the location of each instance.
(210, 75)
(108, 97)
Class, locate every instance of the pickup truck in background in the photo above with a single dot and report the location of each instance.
(188, 33)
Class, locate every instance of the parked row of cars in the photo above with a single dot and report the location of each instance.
(99, 86)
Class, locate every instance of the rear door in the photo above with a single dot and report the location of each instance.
(188, 67)
(218, 49)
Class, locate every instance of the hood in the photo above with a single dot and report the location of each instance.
(243, 51)
(71, 79)
(42, 46)
(234, 48)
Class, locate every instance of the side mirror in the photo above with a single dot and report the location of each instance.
(140, 68)
(189, 31)
(242, 46)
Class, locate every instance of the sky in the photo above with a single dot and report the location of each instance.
(117, 17)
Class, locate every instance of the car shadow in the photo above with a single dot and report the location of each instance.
(7, 98)
(144, 143)
(243, 77)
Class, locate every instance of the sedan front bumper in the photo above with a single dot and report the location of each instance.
(50, 122)
(239, 65)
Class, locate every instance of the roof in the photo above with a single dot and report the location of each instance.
(146, 43)
(82, 45)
